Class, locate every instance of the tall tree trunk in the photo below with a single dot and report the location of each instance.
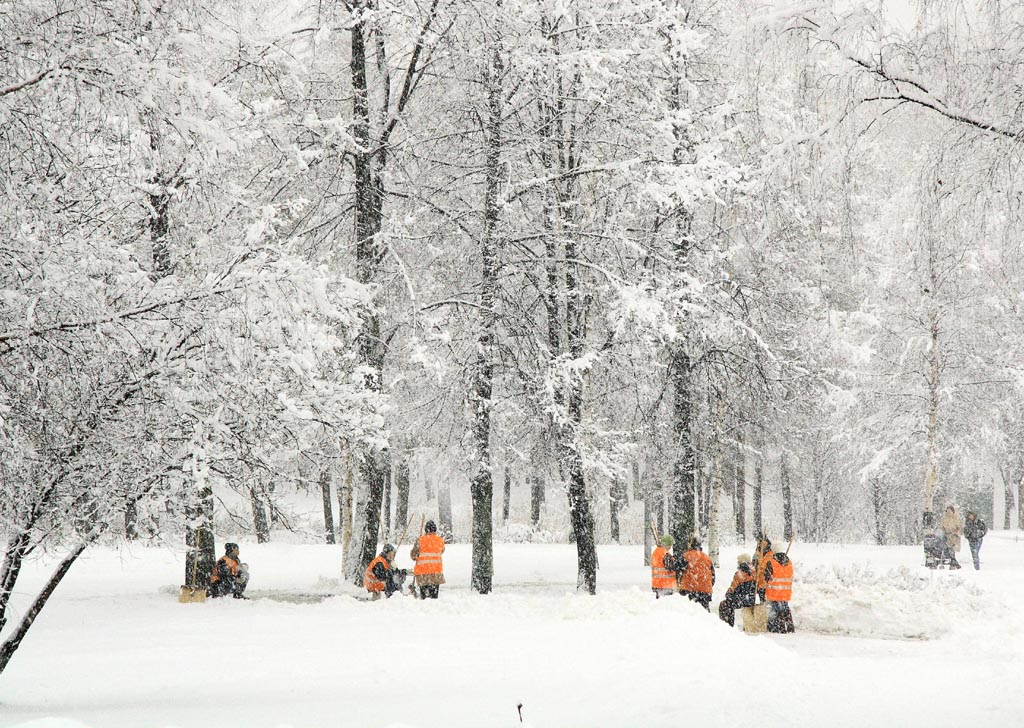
(536, 499)
(374, 473)
(787, 499)
(482, 485)
(402, 492)
(580, 513)
(325, 492)
(644, 493)
(345, 511)
(758, 487)
(683, 493)
(739, 459)
(131, 520)
(717, 478)
(506, 496)
(616, 499)
(386, 526)
(1020, 504)
(368, 164)
(259, 514)
(201, 554)
(878, 507)
(932, 464)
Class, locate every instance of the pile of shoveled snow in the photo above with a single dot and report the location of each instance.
(902, 603)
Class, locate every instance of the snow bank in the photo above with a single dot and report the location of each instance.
(903, 603)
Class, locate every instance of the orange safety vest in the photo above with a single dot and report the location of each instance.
(371, 582)
(429, 559)
(780, 588)
(697, 577)
(232, 567)
(661, 578)
(762, 565)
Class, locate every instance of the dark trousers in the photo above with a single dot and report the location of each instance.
(394, 582)
(727, 609)
(700, 597)
(430, 591)
(975, 548)
(727, 612)
(780, 618)
(235, 586)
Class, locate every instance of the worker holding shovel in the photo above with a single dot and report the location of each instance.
(429, 569)
(663, 579)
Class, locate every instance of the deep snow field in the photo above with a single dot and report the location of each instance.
(882, 641)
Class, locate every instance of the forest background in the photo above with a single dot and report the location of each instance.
(556, 269)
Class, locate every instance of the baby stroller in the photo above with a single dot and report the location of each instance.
(936, 551)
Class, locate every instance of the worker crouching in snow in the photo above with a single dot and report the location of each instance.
(381, 576)
(696, 574)
(429, 570)
(663, 579)
(779, 589)
(229, 576)
(741, 591)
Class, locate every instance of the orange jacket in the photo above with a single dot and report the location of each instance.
(740, 577)
(428, 554)
(780, 588)
(661, 578)
(227, 561)
(371, 582)
(762, 564)
(699, 574)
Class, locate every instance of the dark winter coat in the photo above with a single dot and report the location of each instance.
(741, 591)
(975, 530)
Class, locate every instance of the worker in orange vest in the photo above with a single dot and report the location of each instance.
(696, 574)
(429, 571)
(762, 558)
(740, 593)
(229, 575)
(381, 577)
(778, 591)
(663, 579)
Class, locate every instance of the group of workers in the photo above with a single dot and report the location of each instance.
(381, 576)
(767, 577)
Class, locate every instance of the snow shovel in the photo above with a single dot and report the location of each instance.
(755, 618)
(193, 594)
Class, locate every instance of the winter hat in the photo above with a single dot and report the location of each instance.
(742, 559)
(387, 549)
(667, 541)
(430, 527)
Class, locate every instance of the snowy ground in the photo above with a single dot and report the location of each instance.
(882, 642)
